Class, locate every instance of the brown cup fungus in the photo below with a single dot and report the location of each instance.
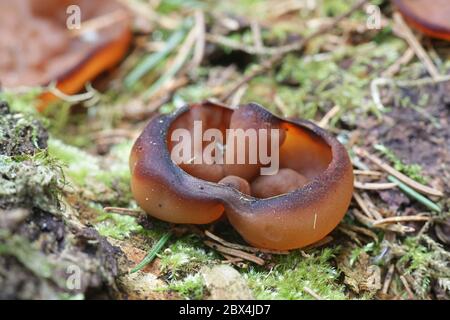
(288, 208)
(429, 17)
(64, 42)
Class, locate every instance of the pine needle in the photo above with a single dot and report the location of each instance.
(414, 194)
(152, 253)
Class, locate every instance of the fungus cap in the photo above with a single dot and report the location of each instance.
(40, 42)
(429, 17)
(286, 221)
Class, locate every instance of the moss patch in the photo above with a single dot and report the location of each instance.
(292, 273)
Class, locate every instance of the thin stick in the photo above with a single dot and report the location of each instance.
(362, 231)
(126, 211)
(177, 64)
(231, 259)
(256, 33)
(408, 289)
(235, 253)
(416, 46)
(400, 176)
(421, 81)
(367, 173)
(242, 247)
(391, 227)
(388, 279)
(237, 97)
(279, 103)
(99, 22)
(372, 206)
(401, 219)
(312, 293)
(199, 50)
(323, 123)
(403, 60)
(319, 243)
(233, 44)
(374, 186)
(351, 234)
(276, 59)
(151, 61)
(369, 213)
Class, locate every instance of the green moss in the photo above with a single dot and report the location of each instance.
(293, 273)
(118, 164)
(117, 226)
(356, 252)
(191, 287)
(313, 84)
(416, 256)
(24, 102)
(30, 180)
(79, 164)
(68, 296)
(423, 259)
(109, 179)
(184, 256)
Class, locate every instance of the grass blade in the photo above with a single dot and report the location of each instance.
(153, 252)
(414, 194)
(152, 60)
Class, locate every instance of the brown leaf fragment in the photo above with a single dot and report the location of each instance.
(360, 276)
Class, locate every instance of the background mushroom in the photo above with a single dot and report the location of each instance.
(39, 43)
(298, 206)
(430, 17)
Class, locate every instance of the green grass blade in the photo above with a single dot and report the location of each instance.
(153, 252)
(415, 195)
(152, 60)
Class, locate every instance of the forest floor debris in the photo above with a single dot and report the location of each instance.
(64, 191)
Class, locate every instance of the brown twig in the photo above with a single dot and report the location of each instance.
(400, 176)
(388, 279)
(143, 110)
(323, 123)
(361, 230)
(242, 247)
(232, 260)
(279, 103)
(415, 45)
(256, 33)
(374, 186)
(401, 219)
(350, 233)
(391, 227)
(319, 243)
(407, 287)
(99, 22)
(237, 97)
(199, 49)
(367, 173)
(124, 211)
(235, 252)
(373, 214)
(403, 60)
